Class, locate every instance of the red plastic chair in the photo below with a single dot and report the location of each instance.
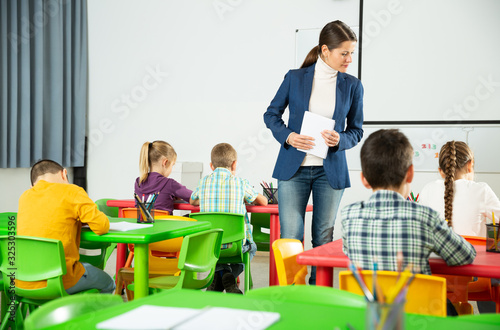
(461, 289)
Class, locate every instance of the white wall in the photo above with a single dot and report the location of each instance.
(217, 73)
(13, 182)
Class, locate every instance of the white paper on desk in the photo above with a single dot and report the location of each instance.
(126, 226)
(312, 125)
(149, 317)
(220, 318)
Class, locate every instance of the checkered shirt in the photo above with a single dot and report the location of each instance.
(387, 223)
(222, 191)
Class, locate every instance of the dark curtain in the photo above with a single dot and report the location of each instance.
(43, 81)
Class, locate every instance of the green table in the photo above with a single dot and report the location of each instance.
(161, 230)
(293, 315)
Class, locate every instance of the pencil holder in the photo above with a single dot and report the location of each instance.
(492, 238)
(142, 216)
(271, 195)
(384, 316)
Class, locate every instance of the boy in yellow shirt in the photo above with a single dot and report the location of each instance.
(53, 208)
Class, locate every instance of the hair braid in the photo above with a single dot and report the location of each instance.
(449, 155)
(454, 158)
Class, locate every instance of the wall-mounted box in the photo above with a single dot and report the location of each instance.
(187, 173)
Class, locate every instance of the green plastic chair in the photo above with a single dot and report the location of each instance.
(8, 221)
(36, 259)
(234, 234)
(98, 260)
(64, 309)
(310, 293)
(260, 221)
(110, 211)
(199, 254)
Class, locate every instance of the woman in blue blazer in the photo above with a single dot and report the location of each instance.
(320, 86)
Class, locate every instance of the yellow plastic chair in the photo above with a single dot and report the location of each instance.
(426, 294)
(163, 259)
(285, 255)
(131, 212)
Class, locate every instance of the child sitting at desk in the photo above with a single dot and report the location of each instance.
(377, 229)
(53, 208)
(464, 203)
(155, 163)
(223, 191)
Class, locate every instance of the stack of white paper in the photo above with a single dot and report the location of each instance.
(312, 125)
(126, 226)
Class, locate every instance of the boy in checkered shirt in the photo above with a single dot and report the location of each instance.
(223, 191)
(377, 229)
(388, 223)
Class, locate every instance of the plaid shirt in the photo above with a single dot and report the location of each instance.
(387, 223)
(221, 191)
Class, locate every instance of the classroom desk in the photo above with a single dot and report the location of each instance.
(330, 255)
(293, 314)
(161, 230)
(271, 209)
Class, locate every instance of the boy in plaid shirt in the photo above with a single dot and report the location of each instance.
(222, 191)
(387, 222)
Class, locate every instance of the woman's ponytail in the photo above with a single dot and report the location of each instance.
(311, 57)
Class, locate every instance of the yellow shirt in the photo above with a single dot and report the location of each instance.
(57, 211)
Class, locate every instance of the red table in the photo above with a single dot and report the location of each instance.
(272, 209)
(330, 255)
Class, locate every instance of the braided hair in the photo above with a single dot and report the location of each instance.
(453, 157)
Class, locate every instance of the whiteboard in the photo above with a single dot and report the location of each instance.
(431, 60)
(428, 140)
(306, 39)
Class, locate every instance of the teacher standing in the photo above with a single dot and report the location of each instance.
(320, 86)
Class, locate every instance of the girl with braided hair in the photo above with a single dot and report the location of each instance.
(464, 203)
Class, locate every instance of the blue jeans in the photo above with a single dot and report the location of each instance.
(293, 195)
(93, 278)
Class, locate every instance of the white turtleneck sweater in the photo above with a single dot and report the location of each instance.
(322, 101)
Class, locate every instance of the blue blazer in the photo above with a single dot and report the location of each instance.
(295, 92)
